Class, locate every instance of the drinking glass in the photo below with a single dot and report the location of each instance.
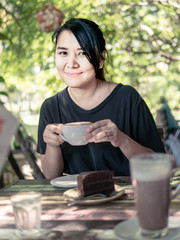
(151, 179)
(27, 212)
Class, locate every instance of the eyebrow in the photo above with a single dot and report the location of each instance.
(64, 48)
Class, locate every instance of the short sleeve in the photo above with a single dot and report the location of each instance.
(43, 121)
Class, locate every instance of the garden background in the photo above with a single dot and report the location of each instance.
(143, 43)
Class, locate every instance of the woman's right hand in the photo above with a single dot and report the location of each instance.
(51, 135)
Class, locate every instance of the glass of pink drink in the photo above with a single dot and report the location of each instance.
(151, 179)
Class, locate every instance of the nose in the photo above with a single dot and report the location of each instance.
(72, 61)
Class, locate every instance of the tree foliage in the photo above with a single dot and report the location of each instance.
(143, 43)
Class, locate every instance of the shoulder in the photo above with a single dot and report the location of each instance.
(129, 93)
(48, 102)
(121, 87)
(53, 100)
(129, 89)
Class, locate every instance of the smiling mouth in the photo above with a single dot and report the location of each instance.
(73, 74)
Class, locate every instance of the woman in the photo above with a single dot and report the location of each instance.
(122, 123)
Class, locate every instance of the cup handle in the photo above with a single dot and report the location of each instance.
(62, 136)
(176, 191)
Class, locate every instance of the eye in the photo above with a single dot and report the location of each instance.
(82, 53)
(63, 53)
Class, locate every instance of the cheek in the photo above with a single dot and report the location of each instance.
(87, 66)
(58, 63)
(91, 70)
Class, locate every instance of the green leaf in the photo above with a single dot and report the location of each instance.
(2, 79)
(3, 93)
(3, 37)
(142, 41)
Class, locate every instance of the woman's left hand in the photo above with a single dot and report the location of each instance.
(104, 131)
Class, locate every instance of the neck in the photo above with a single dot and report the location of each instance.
(85, 92)
(86, 97)
(92, 95)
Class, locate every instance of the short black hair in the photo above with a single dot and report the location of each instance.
(89, 37)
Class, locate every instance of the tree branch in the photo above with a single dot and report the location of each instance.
(12, 14)
(161, 53)
(169, 2)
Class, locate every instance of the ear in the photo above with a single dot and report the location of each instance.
(101, 64)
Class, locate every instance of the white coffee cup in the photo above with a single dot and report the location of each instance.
(74, 132)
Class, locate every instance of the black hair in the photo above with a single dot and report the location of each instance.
(89, 37)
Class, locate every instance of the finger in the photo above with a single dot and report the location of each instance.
(104, 139)
(56, 128)
(51, 135)
(97, 124)
(105, 135)
(52, 139)
(102, 130)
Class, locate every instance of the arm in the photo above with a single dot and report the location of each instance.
(52, 161)
(132, 127)
(107, 131)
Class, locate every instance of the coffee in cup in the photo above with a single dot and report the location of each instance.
(74, 132)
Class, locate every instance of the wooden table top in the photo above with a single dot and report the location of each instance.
(75, 222)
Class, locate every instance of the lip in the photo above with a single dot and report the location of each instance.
(73, 74)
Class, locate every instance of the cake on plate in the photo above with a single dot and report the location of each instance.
(93, 182)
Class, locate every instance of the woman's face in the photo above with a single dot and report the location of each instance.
(71, 62)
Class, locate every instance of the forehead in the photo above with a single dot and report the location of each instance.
(67, 39)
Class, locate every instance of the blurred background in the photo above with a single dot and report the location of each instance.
(143, 43)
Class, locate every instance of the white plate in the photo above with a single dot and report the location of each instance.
(129, 230)
(65, 181)
(73, 194)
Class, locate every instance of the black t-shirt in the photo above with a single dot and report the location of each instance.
(124, 106)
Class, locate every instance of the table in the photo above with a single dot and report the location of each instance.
(76, 222)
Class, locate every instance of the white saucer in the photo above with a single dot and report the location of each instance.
(129, 230)
(65, 181)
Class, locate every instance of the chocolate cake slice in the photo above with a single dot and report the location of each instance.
(89, 183)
